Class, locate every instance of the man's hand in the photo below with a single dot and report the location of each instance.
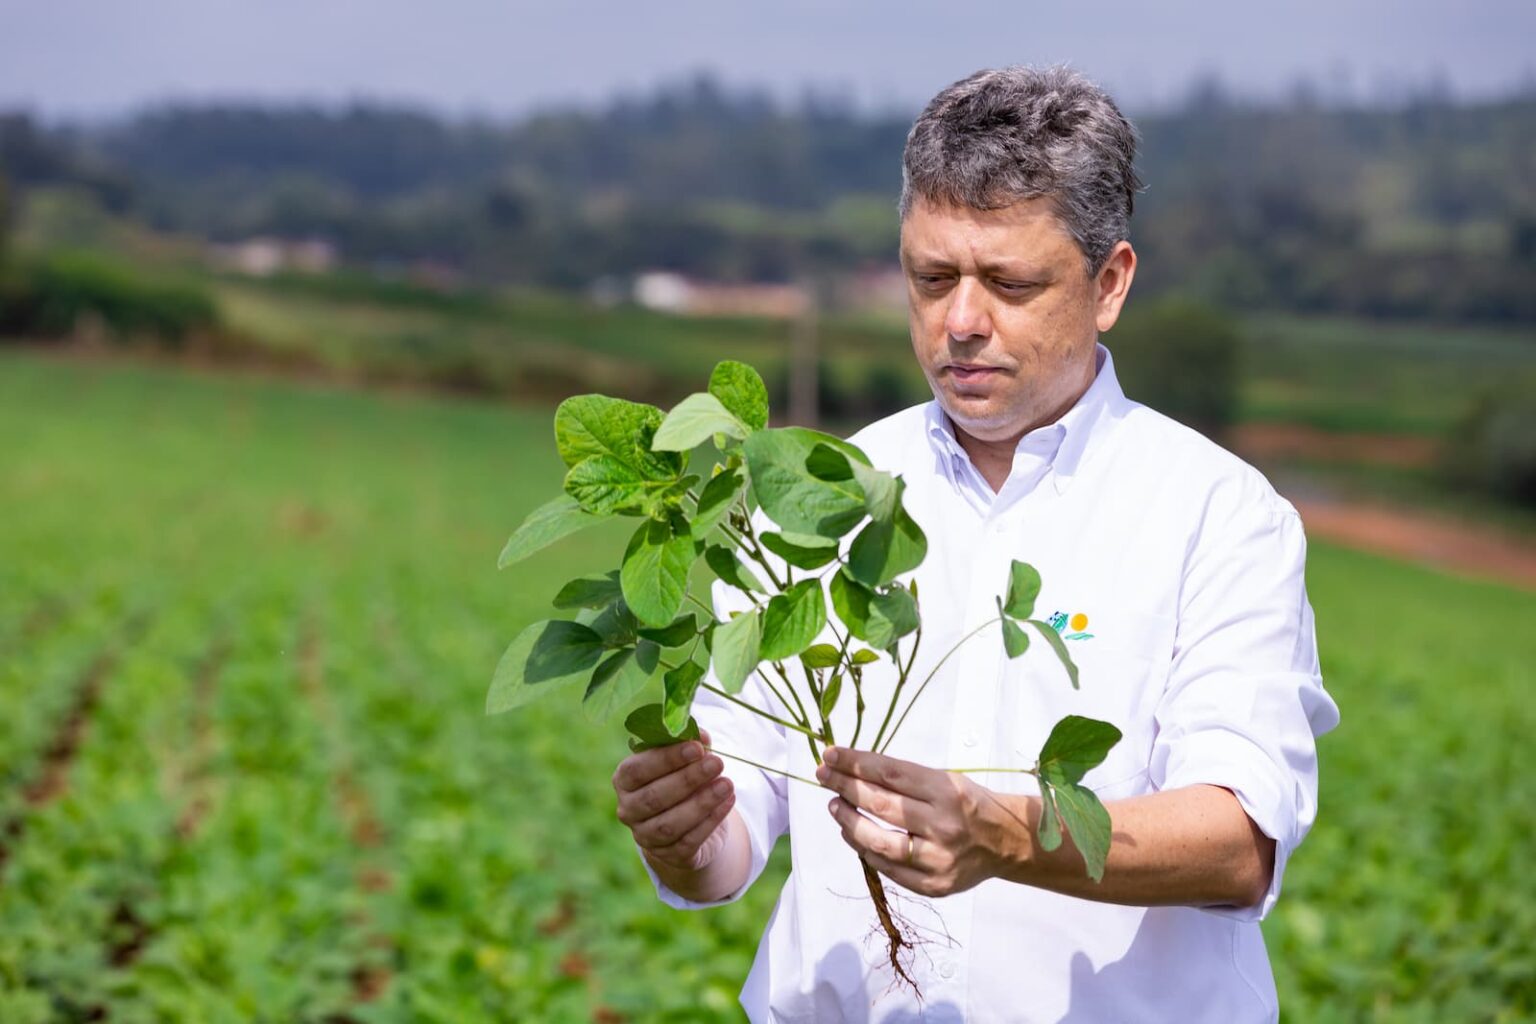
(675, 804)
(946, 814)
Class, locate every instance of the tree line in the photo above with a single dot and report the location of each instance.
(1426, 209)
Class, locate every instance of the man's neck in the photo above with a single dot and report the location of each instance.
(994, 459)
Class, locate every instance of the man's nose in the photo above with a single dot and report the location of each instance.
(967, 316)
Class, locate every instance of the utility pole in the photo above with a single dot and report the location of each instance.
(805, 359)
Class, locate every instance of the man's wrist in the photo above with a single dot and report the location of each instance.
(722, 876)
(1013, 820)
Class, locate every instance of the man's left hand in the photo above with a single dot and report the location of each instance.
(949, 817)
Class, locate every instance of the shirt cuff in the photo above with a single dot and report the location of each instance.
(1227, 759)
(755, 800)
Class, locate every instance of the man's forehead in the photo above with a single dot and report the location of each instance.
(1021, 238)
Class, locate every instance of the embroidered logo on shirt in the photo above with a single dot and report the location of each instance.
(1061, 622)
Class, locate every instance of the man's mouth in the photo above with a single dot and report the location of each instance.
(962, 372)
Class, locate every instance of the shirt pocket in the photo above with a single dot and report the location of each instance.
(1122, 655)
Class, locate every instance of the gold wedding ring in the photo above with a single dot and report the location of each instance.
(911, 847)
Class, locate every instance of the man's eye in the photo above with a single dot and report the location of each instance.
(1014, 287)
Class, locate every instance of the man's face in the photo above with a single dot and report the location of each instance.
(1004, 317)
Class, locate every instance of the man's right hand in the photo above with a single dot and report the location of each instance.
(676, 802)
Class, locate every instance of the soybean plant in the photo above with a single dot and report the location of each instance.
(632, 628)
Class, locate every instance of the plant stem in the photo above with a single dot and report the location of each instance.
(903, 673)
(757, 552)
(775, 691)
(791, 687)
(962, 771)
(757, 710)
(826, 723)
(924, 686)
(776, 771)
(810, 737)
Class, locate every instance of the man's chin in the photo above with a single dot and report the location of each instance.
(979, 416)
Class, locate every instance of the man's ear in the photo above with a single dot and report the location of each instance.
(1113, 284)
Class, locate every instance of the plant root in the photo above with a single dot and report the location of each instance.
(898, 946)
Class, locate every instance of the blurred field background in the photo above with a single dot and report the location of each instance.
(276, 380)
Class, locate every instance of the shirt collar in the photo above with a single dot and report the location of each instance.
(1064, 444)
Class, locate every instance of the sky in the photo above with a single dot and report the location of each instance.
(70, 59)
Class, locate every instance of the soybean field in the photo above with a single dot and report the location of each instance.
(246, 629)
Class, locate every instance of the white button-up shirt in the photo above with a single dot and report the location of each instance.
(1175, 575)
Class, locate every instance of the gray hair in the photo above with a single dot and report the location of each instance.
(1004, 135)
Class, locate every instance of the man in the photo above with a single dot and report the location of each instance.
(1174, 571)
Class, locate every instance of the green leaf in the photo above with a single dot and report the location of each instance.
(829, 695)
(681, 630)
(724, 563)
(741, 391)
(1050, 825)
(1023, 588)
(802, 550)
(543, 526)
(886, 548)
(827, 463)
(1075, 745)
(618, 680)
(879, 618)
(695, 420)
(680, 685)
(715, 501)
(864, 657)
(736, 648)
(882, 491)
(648, 728)
(1088, 822)
(1015, 640)
(896, 610)
(602, 485)
(679, 487)
(615, 624)
(793, 497)
(793, 620)
(589, 591)
(819, 656)
(543, 658)
(654, 574)
(588, 426)
(1054, 639)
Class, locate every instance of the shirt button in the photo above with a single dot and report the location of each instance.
(970, 739)
(947, 969)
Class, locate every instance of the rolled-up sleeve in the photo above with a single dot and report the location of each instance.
(1245, 702)
(762, 798)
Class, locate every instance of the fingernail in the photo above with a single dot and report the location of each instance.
(829, 756)
(823, 773)
(832, 808)
(691, 753)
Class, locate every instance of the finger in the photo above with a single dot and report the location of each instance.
(905, 777)
(668, 791)
(866, 836)
(639, 770)
(898, 810)
(913, 879)
(671, 825)
(685, 849)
